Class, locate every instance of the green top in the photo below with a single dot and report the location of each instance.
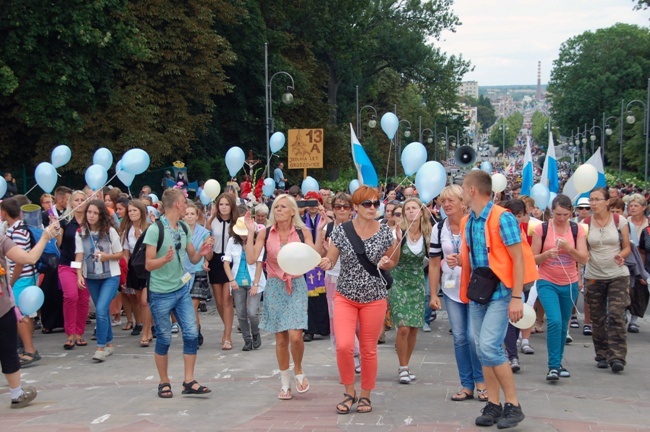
(167, 278)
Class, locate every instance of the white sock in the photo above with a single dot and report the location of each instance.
(633, 319)
(525, 342)
(16, 392)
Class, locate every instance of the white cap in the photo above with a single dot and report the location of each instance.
(583, 202)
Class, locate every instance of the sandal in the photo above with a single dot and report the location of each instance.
(144, 343)
(28, 358)
(69, 344)
(482, 395)
(364, 406)
(300, 383)
(188, 388)
(46, 330)
(80, 342)
(285, 394)
(226, 346)
(128, 326)
(165, 391)
(537, 329)
(462, 395)
(344, 403)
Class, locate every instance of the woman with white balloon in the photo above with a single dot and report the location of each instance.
(219, 223)
(9, 315)
(360, 298)
(557, 288)
(285, 296)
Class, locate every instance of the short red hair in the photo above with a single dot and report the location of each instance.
(364, 193)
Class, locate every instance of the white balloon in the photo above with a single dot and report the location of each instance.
(212, 188)
(585, 178)
(297, 258)
(528, 320)
(499, 183)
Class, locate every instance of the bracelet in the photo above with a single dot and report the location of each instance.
(516, 297)
(255, 285)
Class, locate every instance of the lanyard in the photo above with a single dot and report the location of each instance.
(176, 236)
(455, 239)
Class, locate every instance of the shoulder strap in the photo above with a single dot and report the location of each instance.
(403, 237)
(544, 233)
(359, 250)
(574, 232)
(440, 225)
(301, 236)
(185, 227)
(328, 230)
(161, 235)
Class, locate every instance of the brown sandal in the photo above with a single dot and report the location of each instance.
(344, 403)
(462, 395)
(364, 406)
(482, 395)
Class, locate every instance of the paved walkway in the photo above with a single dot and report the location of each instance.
(77, 394)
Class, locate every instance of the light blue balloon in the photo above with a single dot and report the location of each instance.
(277, 142)
(103, 157)
(235, 159)
(269, 187)
(96, 177)
(3, 187)
(309, 184)
(354, 185)
(389, 124)
(60, 156)
(205, 200)
(430, 180)
(135, 161)
(124, 176)
(541, 195)
(551, 197)
(414, 156)
(46, 176)
(30, 300)
(486, 166)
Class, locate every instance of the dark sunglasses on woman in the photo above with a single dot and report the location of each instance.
(367, 204)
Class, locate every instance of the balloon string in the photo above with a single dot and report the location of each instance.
(68, 213)
(422, 208)
(390, 147)
(33, 187)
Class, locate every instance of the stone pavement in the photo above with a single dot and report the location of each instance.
(77, 394)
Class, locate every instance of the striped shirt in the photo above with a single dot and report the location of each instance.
(21, 236)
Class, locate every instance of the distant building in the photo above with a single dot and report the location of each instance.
(469, 88)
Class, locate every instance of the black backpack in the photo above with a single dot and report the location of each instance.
(138, 257)
(574, 232)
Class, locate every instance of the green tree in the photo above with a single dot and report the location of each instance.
(513, 125)
(539, 128)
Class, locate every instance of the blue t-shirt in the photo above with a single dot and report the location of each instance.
(243, 277)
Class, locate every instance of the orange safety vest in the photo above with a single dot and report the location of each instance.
(498, 256)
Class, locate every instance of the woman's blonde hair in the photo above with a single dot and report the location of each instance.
(69, 211)
(297, 221)
(425, 223)
(451, 191)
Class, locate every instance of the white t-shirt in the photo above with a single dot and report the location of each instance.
(447, 244)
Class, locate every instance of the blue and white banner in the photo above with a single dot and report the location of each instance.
(527, 173)
(365, 170)
(550, 177)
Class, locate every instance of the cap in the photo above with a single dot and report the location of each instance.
(312, 195)
(583, 202)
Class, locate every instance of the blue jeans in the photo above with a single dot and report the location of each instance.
(179, 302)
(427, 300)
(469, 366)
(103, 291)
(489, 326)
(558, 303)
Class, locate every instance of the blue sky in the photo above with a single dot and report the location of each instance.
(504, 39)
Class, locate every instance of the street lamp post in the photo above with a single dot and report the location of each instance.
(605, 131)
(630, 119)
(287, 98)
(372, 123)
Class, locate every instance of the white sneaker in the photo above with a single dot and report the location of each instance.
(109, 350)
(175, 328)
(569, 339)
(527, 349)
(100, 356)
(404, 376)
(426, 328)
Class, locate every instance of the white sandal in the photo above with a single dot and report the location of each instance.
(404, 376)
(300, 379)
(285, 390)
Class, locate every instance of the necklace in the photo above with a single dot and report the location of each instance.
(413, 238)
(603, 225)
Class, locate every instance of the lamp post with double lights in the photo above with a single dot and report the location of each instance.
(592, 135)
(630, 119)
(287, 98)
(372, 123)
(604, 132)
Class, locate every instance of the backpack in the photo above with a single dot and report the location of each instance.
(138, 257)
(49, 259)
(574, 232)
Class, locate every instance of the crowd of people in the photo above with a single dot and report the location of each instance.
(388, 260)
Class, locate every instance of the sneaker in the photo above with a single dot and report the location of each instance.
(100, 356)
(512, 416)
(564, 373)
(632, 328)
(29, 394)
(175, 328)
(586, 330)
(527, 349)
(489, 414)
(514, 365)
(94, 336)
(602, 364)
(569, 339)
(109, 350)
(617, 366)
(203, 307)
(553, 375)
(574, 322)
(248, 346)
(404, 376)
(434, 315)
(257, 341)
(426, 328)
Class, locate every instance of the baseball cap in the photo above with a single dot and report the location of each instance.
(583, 202)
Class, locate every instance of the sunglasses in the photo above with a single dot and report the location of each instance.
(398, 214)
(584, 208)
(341, 206)
(367, 204)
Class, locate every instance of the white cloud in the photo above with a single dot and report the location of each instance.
(504, 39)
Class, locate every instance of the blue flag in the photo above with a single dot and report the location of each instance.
(365, 170)
(527, 174)
(550, 177)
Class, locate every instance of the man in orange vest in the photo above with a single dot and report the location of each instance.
(492, 246)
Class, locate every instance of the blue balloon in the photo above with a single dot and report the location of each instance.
(46, 176)
(124, 176)
(277, 142)
(414, 156)
(61, 155)
(309, 184)
(541, 195)
(389, 124)
(430, 180)
(3, 187)
(551, 197)
(96, 177)
(354, 185)
(135, 161)
(30, 300)
(269, 187)
(486, 166)
(103, 157)
(235, 159)
(205, 200)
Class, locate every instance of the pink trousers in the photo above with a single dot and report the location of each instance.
(75, 302)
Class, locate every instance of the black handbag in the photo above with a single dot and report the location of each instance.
(483, 282)
(357, 246)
